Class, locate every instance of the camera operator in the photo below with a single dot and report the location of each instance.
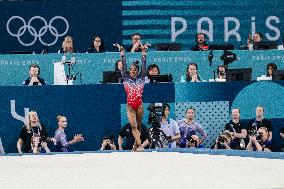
(169, 127)
(260, 121)
(157, 137)
(224, 141)
(258, 141)
(192, 141)
(237, 129)
(108, 143)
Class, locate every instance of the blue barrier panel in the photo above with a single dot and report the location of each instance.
(14, 68)
(96, 110)
(93, 110)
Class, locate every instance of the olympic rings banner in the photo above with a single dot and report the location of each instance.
(34, 26)
(47, 27)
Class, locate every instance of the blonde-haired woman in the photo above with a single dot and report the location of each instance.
(60, 136)
(33, 128)
(67, 45)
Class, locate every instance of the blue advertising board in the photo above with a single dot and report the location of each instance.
(31, 25)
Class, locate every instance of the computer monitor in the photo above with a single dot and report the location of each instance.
(243, 74)
(112, 77)
(168, 47)
(264, 45)
(222, 47)
(278, 75)
(160, 78)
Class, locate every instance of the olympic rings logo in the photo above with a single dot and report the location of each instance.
(37, 34)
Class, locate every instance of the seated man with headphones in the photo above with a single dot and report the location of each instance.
(34, 78)
(200, 43)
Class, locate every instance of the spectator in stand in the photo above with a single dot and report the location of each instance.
(97, 45)
(192, 74)
(126, 132)
(269, 69)
(34, 79)
(259, 141)
(118, 65)
(67, 45)
(189, 126)
(153, 69)
(60, 136)
(200, 43)
(257, 37)
(260, 121)
(136, 43)
(221, 73)
(249, 45)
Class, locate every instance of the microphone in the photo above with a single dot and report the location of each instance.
(210, 57)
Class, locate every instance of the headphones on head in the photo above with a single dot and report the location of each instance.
(205, 36)
(35, 66)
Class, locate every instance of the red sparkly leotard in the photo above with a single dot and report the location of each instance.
(134, 86)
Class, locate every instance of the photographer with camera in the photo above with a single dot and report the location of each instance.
(258, 140)
(224, 141)
(192, 141)
(237, 129)
(108, 143)
(60, 136)
(189, 126)
(169, 127)
(260, 121)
